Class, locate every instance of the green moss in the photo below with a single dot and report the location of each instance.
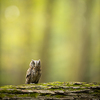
(29, 95)
(6, 95)
(34, 95)
(51, 84)
(19, 95)
(23, 86)
(15, 90)
(2, 95)
(8, 87)
(48, 95)
(53, 89)
(10, 91)
(22, 95)
(59, 96)
(43, 94)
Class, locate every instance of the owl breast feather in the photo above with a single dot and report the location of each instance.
(34, 75)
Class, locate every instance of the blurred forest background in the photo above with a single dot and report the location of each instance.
(64, 34)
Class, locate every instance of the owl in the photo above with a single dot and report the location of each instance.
(33, 74)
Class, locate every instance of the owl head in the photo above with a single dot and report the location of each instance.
(35, 64)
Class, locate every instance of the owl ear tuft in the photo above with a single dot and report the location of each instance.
(39, 62)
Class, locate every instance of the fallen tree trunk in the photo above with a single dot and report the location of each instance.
(52, 90)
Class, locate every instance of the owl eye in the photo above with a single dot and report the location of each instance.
(33, 62)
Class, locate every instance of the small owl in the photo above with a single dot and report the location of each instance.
(34, 72)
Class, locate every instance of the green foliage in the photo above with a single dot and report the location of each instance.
(64, 34)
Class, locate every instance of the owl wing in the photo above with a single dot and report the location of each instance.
(28, 73)
(28, 76)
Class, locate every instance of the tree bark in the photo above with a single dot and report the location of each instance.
(53, 90)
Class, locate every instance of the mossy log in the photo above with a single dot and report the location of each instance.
(52, 91)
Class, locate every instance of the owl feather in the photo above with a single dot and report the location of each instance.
(33, 74)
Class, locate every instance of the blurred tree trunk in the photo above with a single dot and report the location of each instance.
(0, 40)
(27, 31)
(46, 41)
(86, 44)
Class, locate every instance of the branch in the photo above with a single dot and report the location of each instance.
(52, 90)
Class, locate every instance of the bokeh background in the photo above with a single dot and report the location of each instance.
(64, 34)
